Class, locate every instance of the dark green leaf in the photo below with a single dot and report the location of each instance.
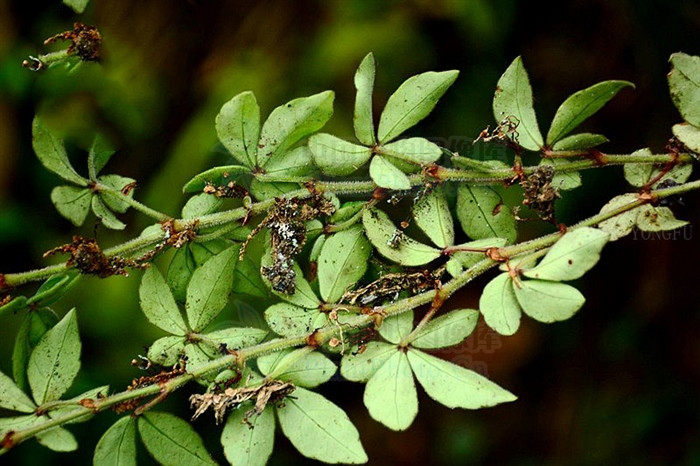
(337, 157)
(238, 127)
(581, 105)
(390, 395)
(292, 122)
(52, 154)
(684, 82)
(298, 366)
(54, 287)
(319, 429)
(446, 330)
(387, 175)
(580, 141)
(158, 303)
(347, 211)
(412, 102)
(482, 214)
(217, 176)
(72, 202)
(381, 232)
(105, 215)
(12, 398)
(245, 445)
(453, 385)
(499, 306)
(415, 150)
(513, 99)
(342, 262)
(572, 256)
(117, 447)
(432, 215)
(33, 327)
(172, 441)
(362, 117)
(55, 360)
(209, 287)
(548, 301)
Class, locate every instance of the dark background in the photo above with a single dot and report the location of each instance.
(617, 384)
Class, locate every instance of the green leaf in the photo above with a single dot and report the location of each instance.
(396, 327)
(360, 366)
(33, 327)
(412, 102)
(289, 320)
(414, 150)
(238, 127)
(13, 398)
(92, 394)
(105, 215)
(433, 217)
(453, 385)
(117, 447)
(246, 446)
(52, 154)
(513, 98)
(158, 303)
(570, 257)
(55, 361)
(638, 174)
(292, 122)
(237, 337)
(77, 5)
(15, 305)
(247, 279)
(562, 180)
(262, 190)
(299, 367)
(58, 439)
(347, 211)
(362, 117)
(180, 270)
(99, 155)
(623, 224)
(484, 166)
(217, 176)
(16, 423)
(499, 305)
(685, 86)
(119, 183)
(303, 296)
(548, 301)
(198, 354)
(446, 330)
(580, 141)
(652, 218)
(172, 441)
(387, 175)
(342, 262)
(482, 213)
(337, 157)
(319, 429)
(390, 395)
(72, 202)
(167, 351)
(689, 135)
(209, 288)
(581, 105)
(201, 204)
(295, 165)
(54, 288)
(380, 231)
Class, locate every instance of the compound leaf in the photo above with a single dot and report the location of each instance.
(396, 327)
(209, 287)
(433, 217)
(289, 320)
(300, 367)
(390, 395)
(548, 301)
(387, 175)
(117, 447)
(342, 262)
(482, 214)
(72, 202)
(52, 154)
(413, 150)
(446, 330)
(158, 303)
(238, 127)
(499, 305)
(172, 441)
(361, 366)
(249, 445)
(337, 157)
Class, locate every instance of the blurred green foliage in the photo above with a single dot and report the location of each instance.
(616, 384)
